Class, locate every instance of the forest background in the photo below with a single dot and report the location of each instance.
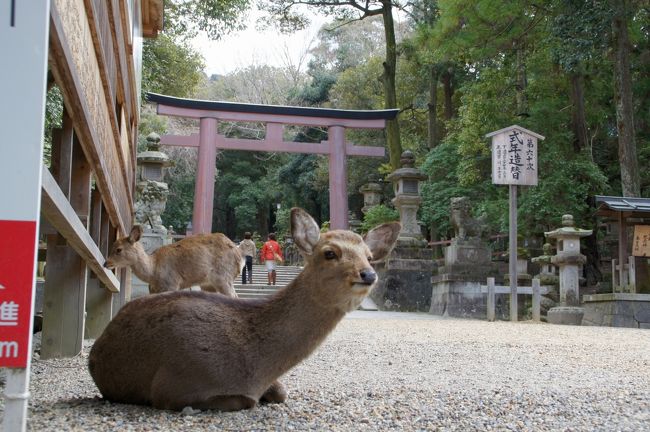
(575, 71)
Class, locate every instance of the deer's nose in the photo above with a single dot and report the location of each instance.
(368, 276)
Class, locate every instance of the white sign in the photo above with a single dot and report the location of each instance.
(24, 26)
(514, 156)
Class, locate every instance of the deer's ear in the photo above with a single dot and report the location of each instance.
(380, 240)
(304, 230)
(135, 234)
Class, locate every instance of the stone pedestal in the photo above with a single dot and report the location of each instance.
(405, 280)
(456, 289)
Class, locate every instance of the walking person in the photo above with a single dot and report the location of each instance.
(247, 249)
(270, 254)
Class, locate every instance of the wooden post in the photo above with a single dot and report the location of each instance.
(490, 299)
(206, 169)
(338, 178)
(536, 300)
(513, 252)
(622, 250)
(64, 299)
(631, 272)
(99, 300)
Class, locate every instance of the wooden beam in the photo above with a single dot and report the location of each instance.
(271, 146)
(76, 73)
(58, 211)
(271, 118)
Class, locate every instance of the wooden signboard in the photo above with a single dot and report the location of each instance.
(514, 156)
(641, 242)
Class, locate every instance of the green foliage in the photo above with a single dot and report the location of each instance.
(283, 222)
(378, 215)
(184, 18)
(53, 119)
(170, 67)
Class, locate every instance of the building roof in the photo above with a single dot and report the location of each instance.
(634, 207)
(387, 114)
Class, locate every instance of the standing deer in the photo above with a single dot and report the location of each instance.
(211, 261)
(207, 351)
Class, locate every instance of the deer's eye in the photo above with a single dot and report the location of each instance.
(118, 250)
(369, 257)
(329, 255)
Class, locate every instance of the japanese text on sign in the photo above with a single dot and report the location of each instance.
(641, 242)
(514, 157)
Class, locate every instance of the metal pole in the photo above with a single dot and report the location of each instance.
(513, 252)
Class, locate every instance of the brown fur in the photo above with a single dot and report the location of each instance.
(207, 351)
(211, 261)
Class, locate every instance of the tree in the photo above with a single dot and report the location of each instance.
(347, 11)
(627, 153)
(170, 67)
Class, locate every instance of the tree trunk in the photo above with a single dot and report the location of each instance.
(627, 155)
(578, 121)
(434, 137)
(388, 79)
(449, 94)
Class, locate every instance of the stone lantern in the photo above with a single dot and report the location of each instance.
(152, 161)
(569, 260)
(406, 185)
(371, 195)
(152, 192)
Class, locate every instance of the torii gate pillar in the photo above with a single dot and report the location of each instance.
(338, 178)
(206, 170)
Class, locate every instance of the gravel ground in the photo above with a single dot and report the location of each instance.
(389, 371)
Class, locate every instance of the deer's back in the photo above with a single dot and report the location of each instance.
(196, 257)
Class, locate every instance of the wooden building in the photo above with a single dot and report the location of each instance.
(95, 58)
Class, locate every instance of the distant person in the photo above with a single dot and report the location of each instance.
(247, 249)
(271, 254)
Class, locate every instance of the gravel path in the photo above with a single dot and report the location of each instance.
(389, 371)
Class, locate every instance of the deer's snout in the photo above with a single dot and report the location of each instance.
(368, 276)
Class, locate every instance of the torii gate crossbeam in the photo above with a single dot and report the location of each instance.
(275, 117)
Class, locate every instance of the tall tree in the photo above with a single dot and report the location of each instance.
(348, 11)
(627, 154)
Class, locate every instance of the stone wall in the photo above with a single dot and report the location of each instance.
(617, 310)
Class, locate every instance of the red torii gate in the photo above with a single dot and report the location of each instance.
(275, 117)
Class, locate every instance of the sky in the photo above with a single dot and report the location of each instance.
(241, 49)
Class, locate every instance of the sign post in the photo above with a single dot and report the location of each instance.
(24, 28)
(514, 162)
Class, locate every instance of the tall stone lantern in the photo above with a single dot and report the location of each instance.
(405, 277)
(406, 185)
(152, 192)
(371, 195)
(569, 260)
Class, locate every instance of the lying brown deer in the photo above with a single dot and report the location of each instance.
(207, 351)
(210, 261)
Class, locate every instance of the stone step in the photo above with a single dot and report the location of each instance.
(283, 276)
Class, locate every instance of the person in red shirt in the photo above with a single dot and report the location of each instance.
(270, 254)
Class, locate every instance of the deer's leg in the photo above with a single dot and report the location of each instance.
(225, 403)
(274, 394)
(224, 287)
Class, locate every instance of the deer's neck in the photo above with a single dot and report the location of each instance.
(295, 322)
(144, 266)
